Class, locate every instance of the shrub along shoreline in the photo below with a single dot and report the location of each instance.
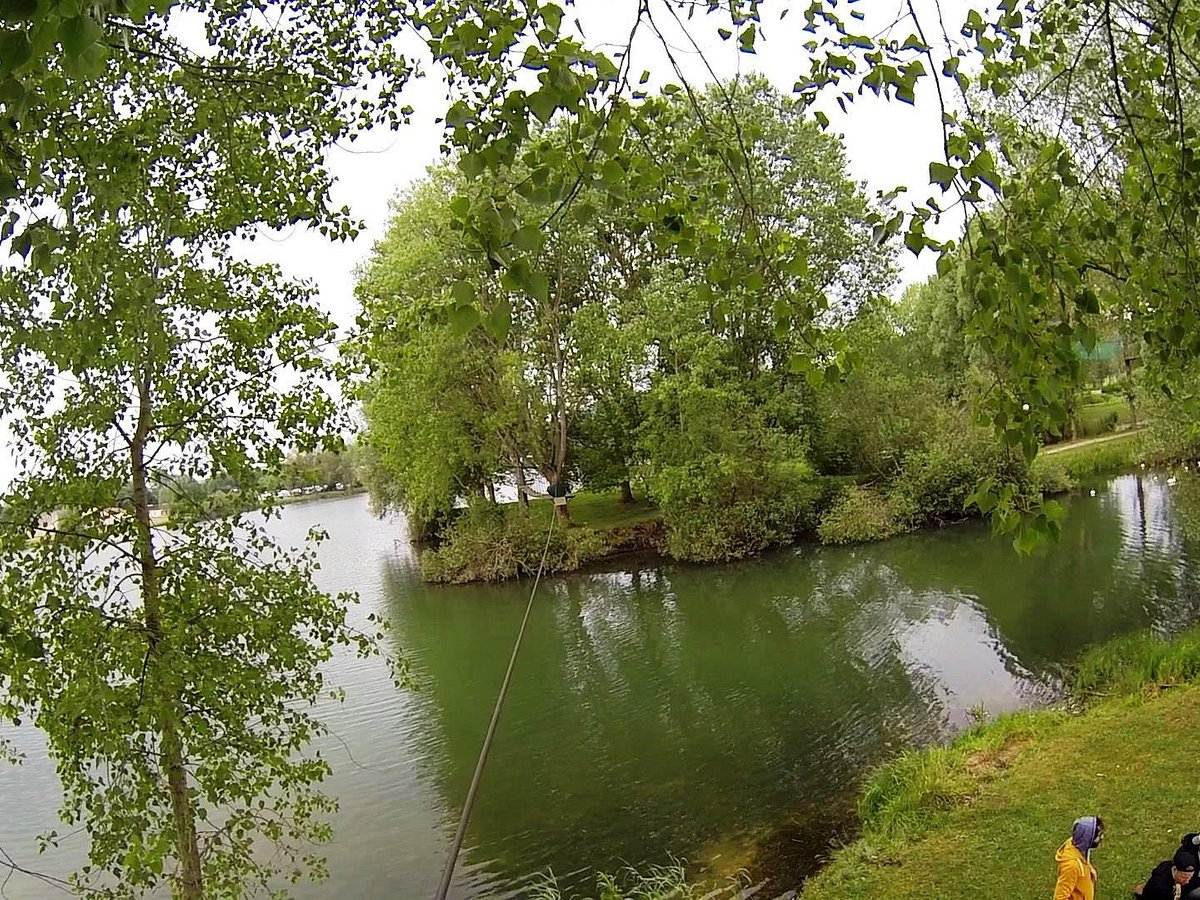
(495, 542)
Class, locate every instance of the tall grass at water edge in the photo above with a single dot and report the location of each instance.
(1139, 664)
(907, 797)
(657, 883)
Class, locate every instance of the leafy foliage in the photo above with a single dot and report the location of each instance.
(862, 514)
(622, 363)
(487, 543)
(173, 672)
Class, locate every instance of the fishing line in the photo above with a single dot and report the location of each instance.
(448, 873)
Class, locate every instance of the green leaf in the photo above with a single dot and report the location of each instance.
(463, 319)
(746, 38)
(983, 167)
(538, 287)
(17, 10)
(798, 264)
(984, 496)
(611, 173)
(78, 33)
(472, 165)
(552, 15)
(528, 239)
(942, 174)
(544, 103)
(15, 50)
(463, 293)
(32, 647)
(499, 320)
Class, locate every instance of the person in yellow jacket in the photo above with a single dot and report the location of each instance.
(1076, 874)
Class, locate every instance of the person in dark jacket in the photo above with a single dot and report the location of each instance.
(1191, 843)
(1169, 879)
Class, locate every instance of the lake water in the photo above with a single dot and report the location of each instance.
(662, 709)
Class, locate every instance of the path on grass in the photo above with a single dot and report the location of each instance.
(1087, 442)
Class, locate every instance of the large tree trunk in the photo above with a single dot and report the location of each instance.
(169, 713)
(626, 492)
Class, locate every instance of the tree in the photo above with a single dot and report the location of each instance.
(448, 402)
(440, 420)
(172, 672)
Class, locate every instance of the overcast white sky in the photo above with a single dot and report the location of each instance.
(887, 143)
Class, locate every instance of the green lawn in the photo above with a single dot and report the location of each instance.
(1131, 762)
(1099, 456)
(601, 509)
(1091, 418)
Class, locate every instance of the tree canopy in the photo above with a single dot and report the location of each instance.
(451, 400)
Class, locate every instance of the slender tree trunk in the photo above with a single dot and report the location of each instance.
(558, 448)
(626, 492)
(187, 848)
(489, 491)
(522, 486)
(1129, 394)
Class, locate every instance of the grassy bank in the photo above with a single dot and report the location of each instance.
(1105, 456)
(594, 509)
(996, 803)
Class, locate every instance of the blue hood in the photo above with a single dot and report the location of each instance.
(1083, 834)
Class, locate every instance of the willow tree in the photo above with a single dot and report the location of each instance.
(173, 671)
(453, 398)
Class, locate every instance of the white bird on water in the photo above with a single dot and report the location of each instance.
(1093, 492)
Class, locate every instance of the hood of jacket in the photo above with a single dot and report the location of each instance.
(1083, 834)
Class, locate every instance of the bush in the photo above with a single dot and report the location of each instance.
(496, 543)
(1173, 433)
(733, 524)
(862, 514)
(935, 481)
(1050, 475)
